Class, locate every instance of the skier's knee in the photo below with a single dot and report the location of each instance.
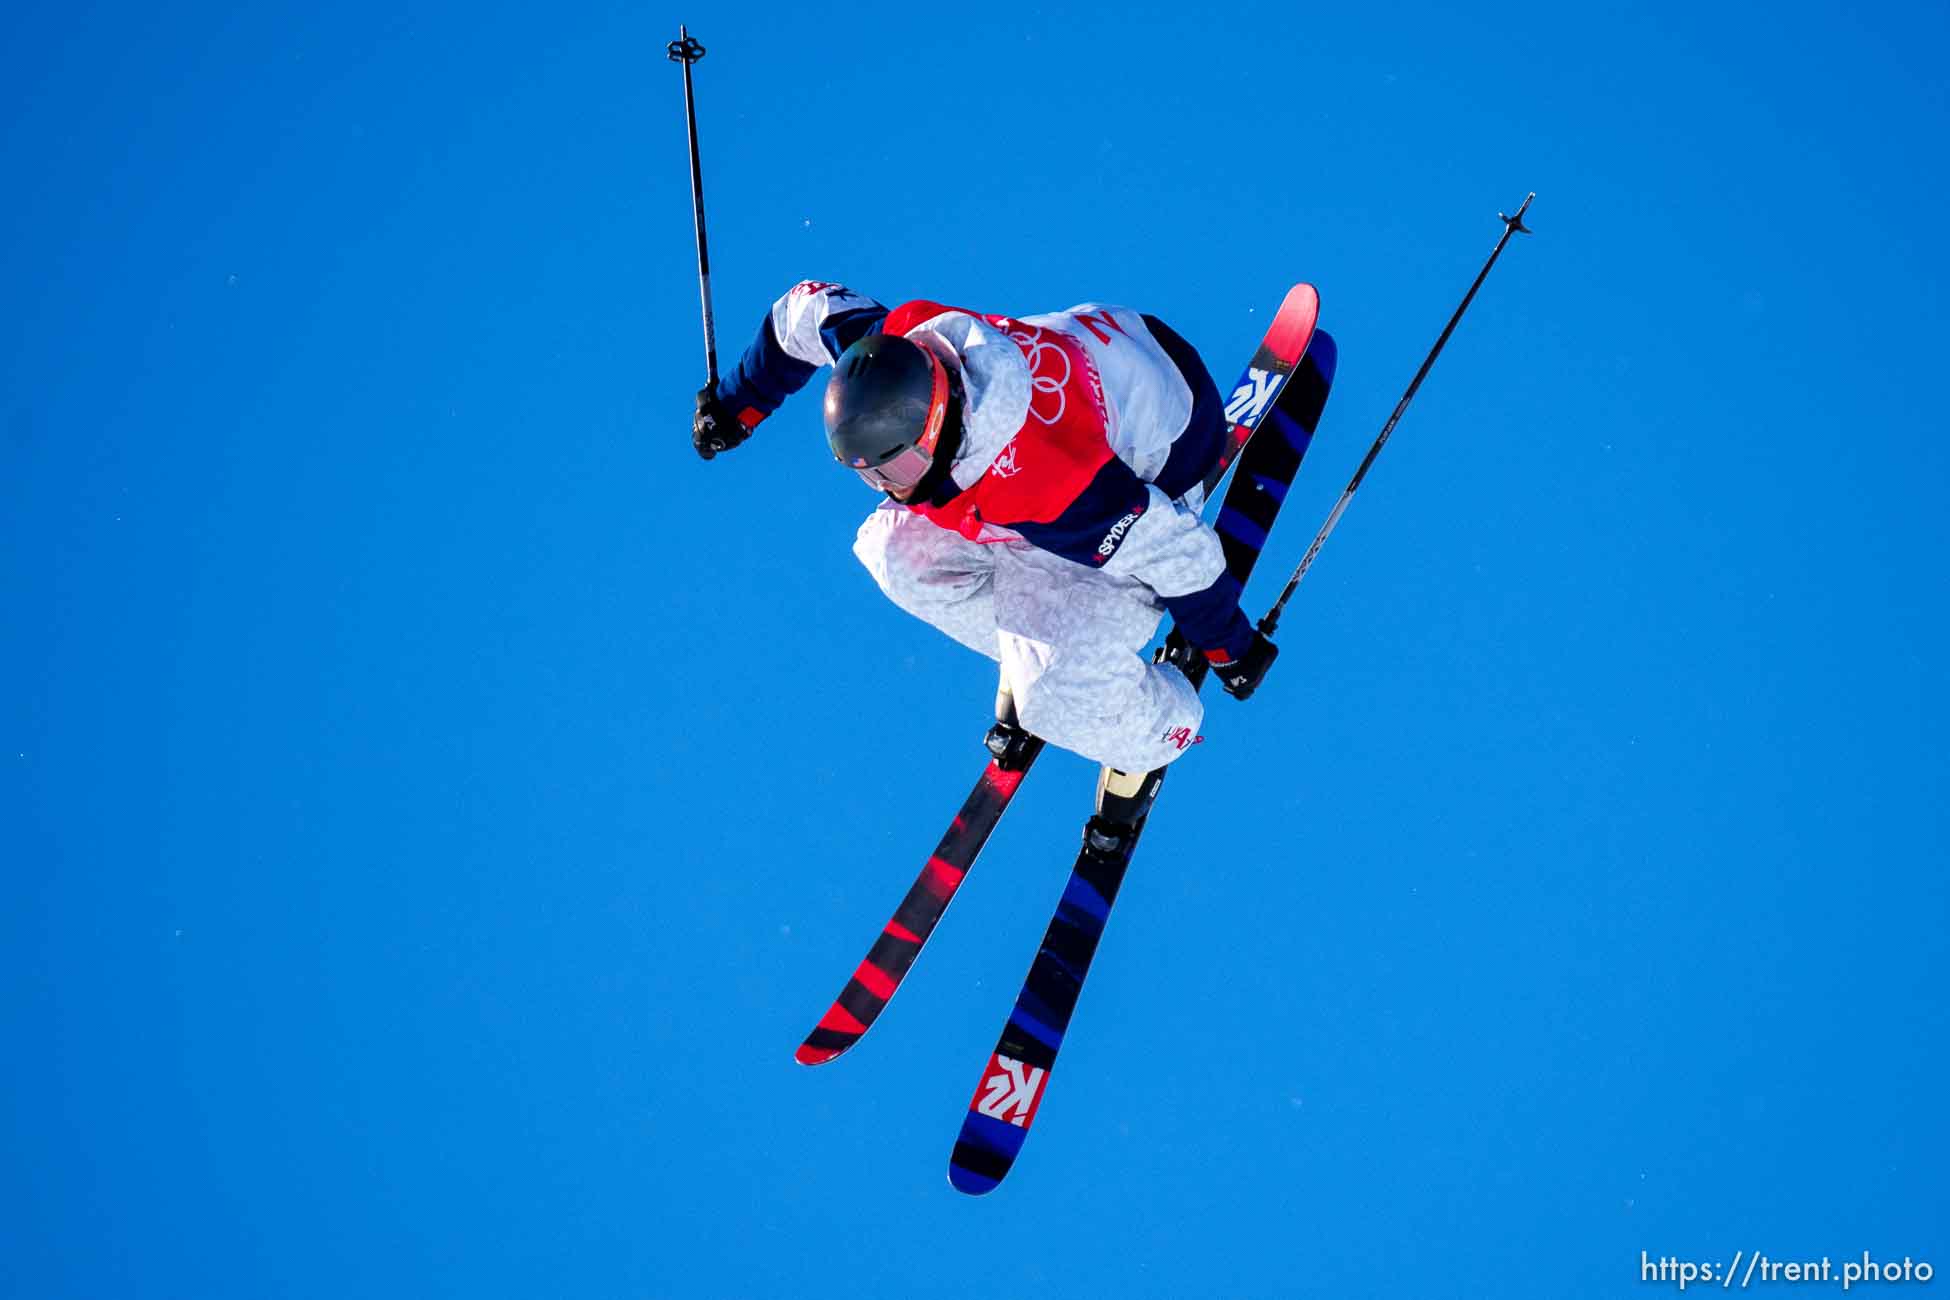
(1065, 717)
(870, 547)
(1033, 712)
(892, 557)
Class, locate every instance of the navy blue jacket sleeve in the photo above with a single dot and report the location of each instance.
(807, 328)
(1212, 620)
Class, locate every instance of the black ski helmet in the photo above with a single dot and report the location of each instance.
(887, 407)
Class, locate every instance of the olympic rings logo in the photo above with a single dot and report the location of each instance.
(1043, 380)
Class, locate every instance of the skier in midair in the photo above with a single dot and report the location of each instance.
(1043, 479)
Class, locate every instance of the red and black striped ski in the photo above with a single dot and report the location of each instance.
(875, 980)
(1017, 1074)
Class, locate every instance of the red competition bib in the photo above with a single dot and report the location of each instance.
(1057, 451)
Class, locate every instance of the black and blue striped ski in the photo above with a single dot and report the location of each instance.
(1013, 1084)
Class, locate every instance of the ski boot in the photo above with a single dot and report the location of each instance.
(1178, 652)
(1007, 740)
(1123, 802)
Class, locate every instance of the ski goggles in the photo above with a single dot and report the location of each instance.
(902, 471)
(900, 474)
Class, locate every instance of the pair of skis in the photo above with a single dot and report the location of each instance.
(1005, 1102)
(1284, 388)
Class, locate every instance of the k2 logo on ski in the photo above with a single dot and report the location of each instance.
(1010, 1090)
(1108, 547)
(1248, 401)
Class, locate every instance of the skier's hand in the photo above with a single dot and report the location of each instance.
(714, 428)
(1241, 676)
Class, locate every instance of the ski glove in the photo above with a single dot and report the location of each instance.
(714, 428)
(1241, 676)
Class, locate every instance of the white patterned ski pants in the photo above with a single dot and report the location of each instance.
(1070, 640)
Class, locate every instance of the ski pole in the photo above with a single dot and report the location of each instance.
(1511, 225)
(686, 50)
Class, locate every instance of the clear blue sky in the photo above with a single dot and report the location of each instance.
(434, 804)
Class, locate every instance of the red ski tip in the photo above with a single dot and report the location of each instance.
(1293, 324)
(810, 1055)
